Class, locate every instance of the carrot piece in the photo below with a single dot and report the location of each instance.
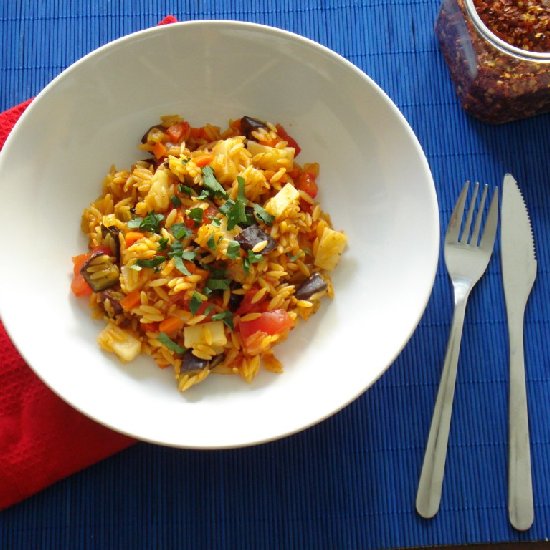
(80, 286)
(197, 133)
(131, 300)
(133, 236)
(79, 261)
(159, 150)
(150, 327)
(178, 132)
(203, 160)
(171, 325)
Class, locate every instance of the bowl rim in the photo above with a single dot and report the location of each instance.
(310, 43)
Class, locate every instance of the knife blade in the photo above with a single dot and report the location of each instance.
(519, 270)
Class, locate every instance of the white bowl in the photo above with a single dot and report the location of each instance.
(375, 182)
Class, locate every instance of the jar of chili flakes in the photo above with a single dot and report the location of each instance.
(498, 53)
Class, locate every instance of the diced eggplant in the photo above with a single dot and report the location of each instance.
(234, 299)
(313, 284)
(100, 271)
(112, 299)
(248, 238)
(249, 124)
(146, 134)
(111, 235)
(192, 363)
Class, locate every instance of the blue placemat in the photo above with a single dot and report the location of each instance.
(351, 481)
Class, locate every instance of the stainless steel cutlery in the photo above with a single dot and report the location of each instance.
(466, 258)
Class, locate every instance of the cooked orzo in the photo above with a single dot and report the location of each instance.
(206, 254)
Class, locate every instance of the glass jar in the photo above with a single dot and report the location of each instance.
(495, 80)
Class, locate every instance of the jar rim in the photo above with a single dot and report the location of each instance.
(539, 57)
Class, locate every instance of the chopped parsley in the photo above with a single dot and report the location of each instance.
(187, 190)
(211, 183)
(175, 200)
(236, 210)
(180, 231)
(180, 266)
(211, 243)
(150, 223)
(263, 215)
(196, 215)
(167, 342)
(217, 284)
(204, 194)
(195, 303)
(163, 243)
(249, 259)
(225, 316)
(233, 250)
(155, 261)
(217, 222)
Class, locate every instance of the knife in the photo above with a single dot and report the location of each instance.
(519, 269)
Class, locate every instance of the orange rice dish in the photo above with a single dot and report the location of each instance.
(206, 254)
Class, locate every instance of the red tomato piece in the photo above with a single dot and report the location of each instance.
(282, 133)
(270, 322)
(306, 182)
(178, 132)
(246, 306)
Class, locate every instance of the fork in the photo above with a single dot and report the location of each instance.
(466, 260)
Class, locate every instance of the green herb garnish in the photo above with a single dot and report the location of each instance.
(175, 200)
(187, 190)
(235, 211)
(211, 243)
(226, 317)
(196, 215)
(155, 261)
(163, 243)
(180, 231)
(195, 303)
(211, 183)
(233, 250)
(180, 266)
(263, 215)
(217, 284)
(167, 342)
(150, 223)
(249, 259)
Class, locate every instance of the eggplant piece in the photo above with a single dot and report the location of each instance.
(234, 299)
(111, 235)
(248, 238)
(100, 271)
(313, 284)
(114, 301)
(191, 363)
(249, 124)
(146, 134)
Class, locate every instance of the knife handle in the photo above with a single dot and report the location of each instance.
(520, 486)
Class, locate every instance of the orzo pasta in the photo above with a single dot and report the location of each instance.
(207, 253)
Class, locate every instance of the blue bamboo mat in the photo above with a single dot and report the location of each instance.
(351, 481)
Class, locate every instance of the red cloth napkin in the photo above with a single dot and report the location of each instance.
(42, 439)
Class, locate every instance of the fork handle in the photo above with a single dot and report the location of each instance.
(431, 477)
(520, 487)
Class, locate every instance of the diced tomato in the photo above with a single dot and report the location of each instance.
(306, 182)
(150, 327)
(306, 206)
(282, 133)
(178, 132)
(246, 306)
(197, 133)
(270, 322)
